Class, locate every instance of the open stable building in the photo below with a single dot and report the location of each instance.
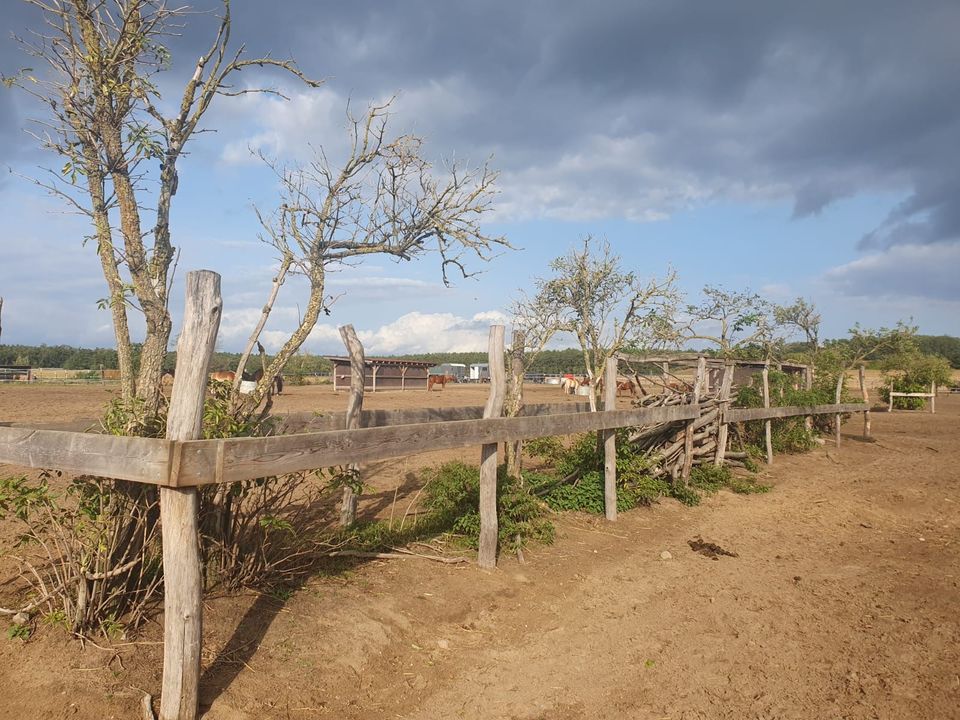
(11, 373)
(382, 374)
(744, 371)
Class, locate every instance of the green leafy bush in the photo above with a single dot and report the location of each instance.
(452, 496)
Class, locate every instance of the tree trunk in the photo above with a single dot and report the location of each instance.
(108, 261)
(310, 315)
(514, 449)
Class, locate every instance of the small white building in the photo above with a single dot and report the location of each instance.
(479, 372)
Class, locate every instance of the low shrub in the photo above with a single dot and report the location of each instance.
(452, 498)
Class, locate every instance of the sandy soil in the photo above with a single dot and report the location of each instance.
(841, 602)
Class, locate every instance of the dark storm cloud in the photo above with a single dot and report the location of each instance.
(639, 109)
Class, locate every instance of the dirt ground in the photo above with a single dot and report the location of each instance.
(840, 601)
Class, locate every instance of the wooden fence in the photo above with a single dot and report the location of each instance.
(931, 396)
(180, 463)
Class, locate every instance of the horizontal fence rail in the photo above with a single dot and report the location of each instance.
(390, 434)
(745, 414)
(218, 461)
(142, 460)
(318, 422)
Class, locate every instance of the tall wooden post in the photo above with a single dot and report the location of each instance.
(610, 442)
(933, 397)
(890, 398)
(808, 385)
(767, 428)
(179, 507)
(489, 527)
(665, 374)
(688, 431)
(866, 400)
(838, 418)
(348, 503)
(514, 448)
(724, 401)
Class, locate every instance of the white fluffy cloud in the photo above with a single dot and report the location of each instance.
(918, 271)
(420, 332)
(410, 333)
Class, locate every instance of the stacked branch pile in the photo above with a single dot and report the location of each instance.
(665, 443)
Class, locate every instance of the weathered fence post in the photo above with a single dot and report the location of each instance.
(348, 504)
(610, 442)
(808, 385)
(890, 398)
(866, 400)
(179, 507)
(724, 402)
(839, 416)
(688, 431)
(933, 397)
(767, 427)
(489, 527)
(514, 448)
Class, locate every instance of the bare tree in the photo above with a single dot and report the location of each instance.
(801, 315)
(385, 199)
(604, 306)
(729, 319)
(104, 120)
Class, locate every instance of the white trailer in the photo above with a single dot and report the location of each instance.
(479, 372)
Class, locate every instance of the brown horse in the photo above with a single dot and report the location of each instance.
(440, 380)
(223, 376)
(257, 376)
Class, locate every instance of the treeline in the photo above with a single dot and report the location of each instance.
(73, 358)
(945, 346)
(550, 362)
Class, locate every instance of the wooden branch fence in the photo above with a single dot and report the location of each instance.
(931, 396)
(181, 463)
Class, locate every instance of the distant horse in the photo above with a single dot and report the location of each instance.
(257, 376)
(440, 380)
(167, 378)
(569, 384)
(223, 376)
(627, 386)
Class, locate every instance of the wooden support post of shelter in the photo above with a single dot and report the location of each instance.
(866, 400)
(767, 428)
(724, 399)
(610, 442)
(489, 528)
(179, 507)
(348, 505)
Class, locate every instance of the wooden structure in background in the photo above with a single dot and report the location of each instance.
(744, 371)
(15, 373)
(382, 374)
(931, 396)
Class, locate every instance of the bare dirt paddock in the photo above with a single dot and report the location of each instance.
(842, 602)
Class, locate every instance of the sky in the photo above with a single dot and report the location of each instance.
(793, 149)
